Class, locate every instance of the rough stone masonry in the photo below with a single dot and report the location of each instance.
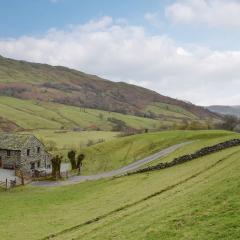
(186, 158)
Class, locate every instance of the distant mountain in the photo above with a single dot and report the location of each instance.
(42, 82)
(226, 110)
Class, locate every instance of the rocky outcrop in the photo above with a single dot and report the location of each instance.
(186, 158)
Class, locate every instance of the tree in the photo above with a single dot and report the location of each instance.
(230, 122)
(56, 166)
(119, 125)
(80, 158)
(72, 158)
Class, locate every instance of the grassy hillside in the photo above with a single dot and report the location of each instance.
(122, 151)
(18, 114)
(47, 83)
(65, 140)
(168, 110)
(116, 152)
(195, 200)
(27, 114)
(195, 146)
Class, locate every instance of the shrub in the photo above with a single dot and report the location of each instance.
(119, 125)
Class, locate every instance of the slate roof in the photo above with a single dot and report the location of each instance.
(13, 141)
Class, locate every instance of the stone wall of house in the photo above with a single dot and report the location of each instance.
(12, 161)
(41, 159)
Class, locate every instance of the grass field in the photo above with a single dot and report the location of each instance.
(122, 151)
(66, 140)
(30, 115)
(116, 151)
(39, 115)
(170, 110)
(195, 200)
(195, 146)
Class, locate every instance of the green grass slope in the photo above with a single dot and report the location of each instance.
(27, 114)
(122, 151)
(199, 200)
(195, 200)
(63, 141)
(47, 83)
(168, 110)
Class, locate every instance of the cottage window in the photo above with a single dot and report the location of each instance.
(38, 164)
(8, 153)
(38, 150)
(28, 152)
(32, 166)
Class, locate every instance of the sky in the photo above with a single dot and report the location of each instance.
(186, 49)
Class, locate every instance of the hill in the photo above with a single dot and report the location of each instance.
(41, 82)
(227, 110)
(194, 200)
(30, 115)
(120, 152)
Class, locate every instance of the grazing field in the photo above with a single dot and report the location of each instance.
(195, 146)
(31, 115)
(28, 114)
(122, 151)
(170, 110)
(33, 81)
(195, 200)
(67, 140)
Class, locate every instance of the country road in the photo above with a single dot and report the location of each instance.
(118, 172)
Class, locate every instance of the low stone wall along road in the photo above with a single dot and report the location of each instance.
(121, 171)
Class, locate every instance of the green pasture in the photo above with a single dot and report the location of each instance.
(32, 115)
(195, 200)
(122, 151)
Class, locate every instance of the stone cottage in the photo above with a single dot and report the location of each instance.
(23, 152)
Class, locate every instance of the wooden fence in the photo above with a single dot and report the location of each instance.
(8, 184)
(2, 184)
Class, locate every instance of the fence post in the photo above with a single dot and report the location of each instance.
(6, 184)
(22, 179)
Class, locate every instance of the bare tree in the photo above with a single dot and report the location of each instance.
(72, 158)
(56, 166)
(80, 159)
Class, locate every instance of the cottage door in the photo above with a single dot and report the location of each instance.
(0, 162)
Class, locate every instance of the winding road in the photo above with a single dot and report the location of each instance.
(114, 173)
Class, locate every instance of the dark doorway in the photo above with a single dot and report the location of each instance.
(0, 162)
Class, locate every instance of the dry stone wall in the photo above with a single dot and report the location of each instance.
(186, 158)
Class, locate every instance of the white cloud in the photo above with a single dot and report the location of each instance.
(123, 52)
(214, 13)
(153, 19)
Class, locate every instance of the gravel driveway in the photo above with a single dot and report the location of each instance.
(6, 174)
(118, 172)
